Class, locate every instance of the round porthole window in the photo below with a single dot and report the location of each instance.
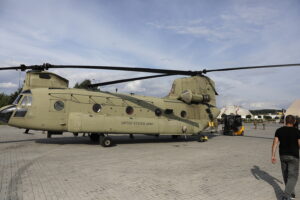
(97, 108)
(129, 110)
(59, 105)
(183, 114)
(158, 112)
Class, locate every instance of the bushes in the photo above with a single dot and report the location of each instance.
(8, 99)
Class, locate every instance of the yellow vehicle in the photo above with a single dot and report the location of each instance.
(47, 103)
(233, 125)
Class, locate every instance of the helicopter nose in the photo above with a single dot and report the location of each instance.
(6, 112)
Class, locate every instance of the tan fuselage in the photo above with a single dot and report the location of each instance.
(79, 115)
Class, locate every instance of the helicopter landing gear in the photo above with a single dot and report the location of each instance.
(94, 137)
(202, 138)
(50, 133)
(105, 141)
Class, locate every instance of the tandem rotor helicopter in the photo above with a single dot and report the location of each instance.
(47, 103)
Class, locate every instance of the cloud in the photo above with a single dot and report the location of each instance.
(214, 35)
(9, 85)
(135, 86)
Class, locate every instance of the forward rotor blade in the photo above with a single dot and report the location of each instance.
(127, 80)
(133, 69)
(47, 66)
(10, 68)
(250, 67)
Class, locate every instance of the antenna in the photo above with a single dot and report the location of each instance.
(19, 80)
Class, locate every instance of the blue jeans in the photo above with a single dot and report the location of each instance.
(290, 171)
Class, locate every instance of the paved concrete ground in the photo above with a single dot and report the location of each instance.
(64, 167)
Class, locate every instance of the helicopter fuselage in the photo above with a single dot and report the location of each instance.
(84, 111)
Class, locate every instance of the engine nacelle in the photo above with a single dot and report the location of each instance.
(188, 97)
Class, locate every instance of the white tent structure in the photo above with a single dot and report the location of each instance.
(235, 110)
(294, 109)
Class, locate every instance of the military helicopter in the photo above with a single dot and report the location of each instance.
(47, 103)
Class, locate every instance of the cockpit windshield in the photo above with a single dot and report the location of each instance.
(17, 100)
(27, 101)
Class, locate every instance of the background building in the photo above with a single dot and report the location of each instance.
(235, 110)
(294, 109)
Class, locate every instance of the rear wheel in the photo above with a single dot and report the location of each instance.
(202, 138)
(106, 141)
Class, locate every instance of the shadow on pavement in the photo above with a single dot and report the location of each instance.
(262, 175)
(15, 141)
(259, 137)
(120, 139)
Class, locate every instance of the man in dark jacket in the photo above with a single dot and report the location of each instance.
(288, 138)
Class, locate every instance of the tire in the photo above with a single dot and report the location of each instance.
(200, 138)
(106, 141)
(49, 134)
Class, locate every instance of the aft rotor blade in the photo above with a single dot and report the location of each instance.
(127, 80)
(250, 67)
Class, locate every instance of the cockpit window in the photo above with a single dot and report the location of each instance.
(17, 100)
(26, 92)
(45, 76)
(27, 101)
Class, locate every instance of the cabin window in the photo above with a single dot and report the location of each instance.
(129, 110)
(169, 111)
(183, 114)
(59, 105)
(158, 112)
(97, 108)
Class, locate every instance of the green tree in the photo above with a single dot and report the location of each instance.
(8, 99)
(14, 95)
(85, 85)
(4, 99)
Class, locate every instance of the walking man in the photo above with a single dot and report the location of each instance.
(288, 138)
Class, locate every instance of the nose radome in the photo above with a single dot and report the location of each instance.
(6, 112)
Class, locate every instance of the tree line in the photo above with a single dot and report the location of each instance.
(8, 99)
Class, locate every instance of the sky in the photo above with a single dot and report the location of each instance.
(167, 34)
